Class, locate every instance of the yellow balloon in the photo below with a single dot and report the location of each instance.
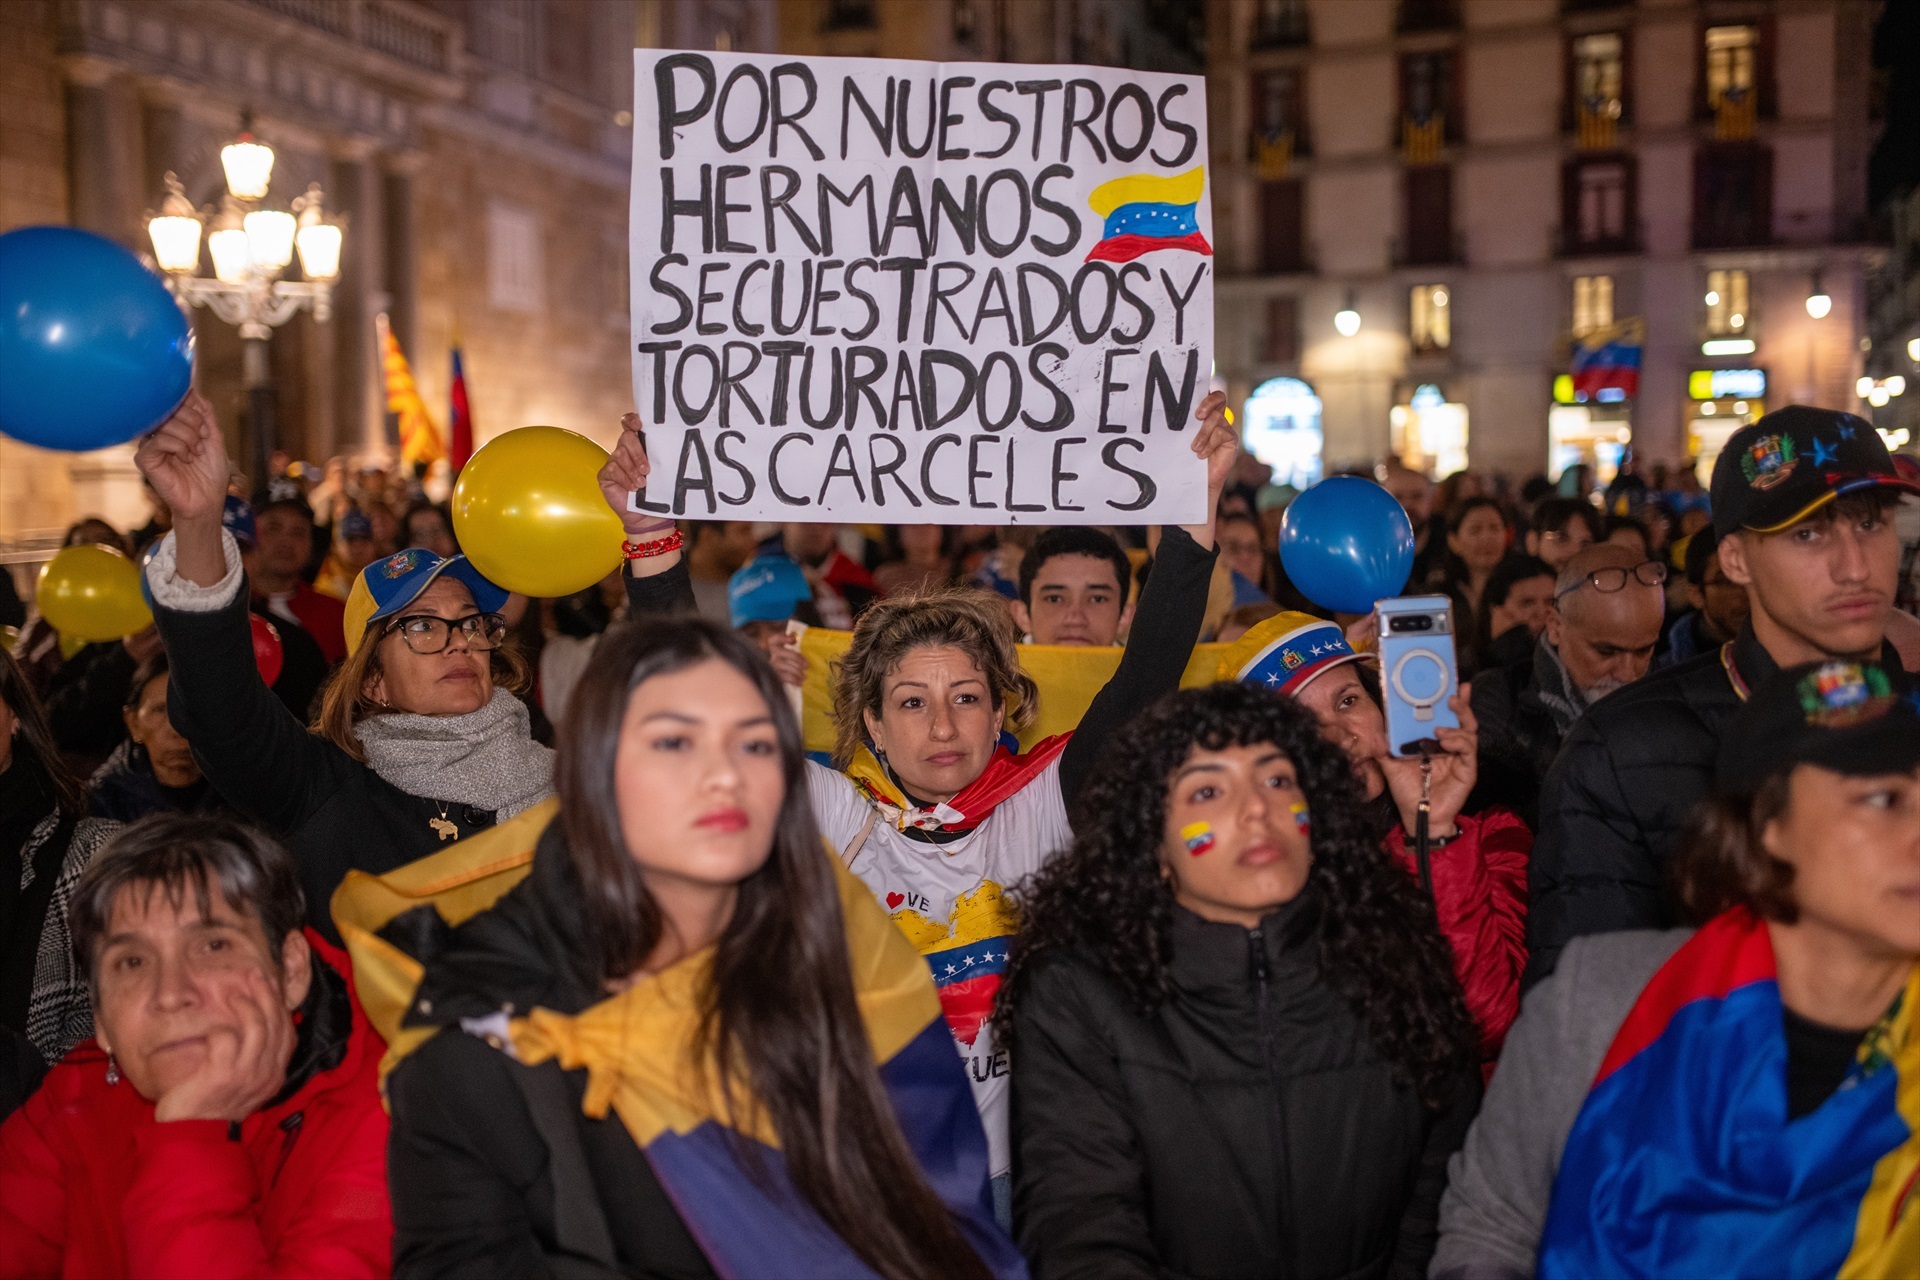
(92, 593)
(529, 513)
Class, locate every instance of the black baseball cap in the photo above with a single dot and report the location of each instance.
(1781, 469)
(1860, 718)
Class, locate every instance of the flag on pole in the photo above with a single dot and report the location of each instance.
(459, 419)
(420, 438)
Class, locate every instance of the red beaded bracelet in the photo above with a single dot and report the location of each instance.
(657, 547)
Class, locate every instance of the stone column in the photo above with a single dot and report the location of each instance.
(402, 266)
(94, 149)
(354, 191)
(161, 138)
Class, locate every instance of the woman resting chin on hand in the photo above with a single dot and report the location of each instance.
(225, 1118)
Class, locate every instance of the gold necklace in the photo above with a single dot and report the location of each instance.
(443, 828)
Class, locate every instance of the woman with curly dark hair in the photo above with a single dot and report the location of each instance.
(1242, 1051)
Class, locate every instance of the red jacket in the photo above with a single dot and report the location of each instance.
(320, 616)
(91, 1186)
(1480, 890)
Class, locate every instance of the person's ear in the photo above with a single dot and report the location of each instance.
(1556, 626)
(1732, 551)
(1021, 618)
(132, 722)
(875, 734)
(296, 968)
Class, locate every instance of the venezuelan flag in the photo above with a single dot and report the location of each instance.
(1145, 211)
(749, 1221)
(1683, 1161)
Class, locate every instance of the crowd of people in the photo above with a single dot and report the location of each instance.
(1621, 978)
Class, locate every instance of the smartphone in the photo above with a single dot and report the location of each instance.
(1418, 671)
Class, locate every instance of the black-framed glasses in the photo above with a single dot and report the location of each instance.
(427, 633)
(1648, 573)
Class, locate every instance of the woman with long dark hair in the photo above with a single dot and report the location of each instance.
(46, 841)
(1242, 1051)
(687, 1043)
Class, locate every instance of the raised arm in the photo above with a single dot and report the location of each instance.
(1167, 622)
(253, 750)
(655, 584)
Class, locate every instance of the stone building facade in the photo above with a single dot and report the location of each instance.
(1482, 181)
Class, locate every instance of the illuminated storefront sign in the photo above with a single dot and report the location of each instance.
(1727, 384)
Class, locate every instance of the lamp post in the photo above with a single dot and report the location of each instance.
(251, 246)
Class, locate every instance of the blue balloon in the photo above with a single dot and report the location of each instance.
(1346, 543)
(93, 349)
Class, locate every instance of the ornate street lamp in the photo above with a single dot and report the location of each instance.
(250, 246)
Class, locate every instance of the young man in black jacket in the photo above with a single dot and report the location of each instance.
(1802, 504)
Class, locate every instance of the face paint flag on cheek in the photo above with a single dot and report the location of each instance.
(1199, 837)
(1302, 820)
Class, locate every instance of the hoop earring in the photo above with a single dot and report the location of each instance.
(113, 1070)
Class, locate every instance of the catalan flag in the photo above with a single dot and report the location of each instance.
(1683, 1160)
(1145, 212)
(420, 438)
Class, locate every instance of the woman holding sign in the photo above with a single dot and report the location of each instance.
(925, 805)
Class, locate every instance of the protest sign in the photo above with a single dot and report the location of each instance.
(882, 290)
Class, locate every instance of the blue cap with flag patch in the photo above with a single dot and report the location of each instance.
(767, 588)
(1286, 651)
(387, 586)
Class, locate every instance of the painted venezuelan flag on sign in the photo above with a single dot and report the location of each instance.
(1145, 211)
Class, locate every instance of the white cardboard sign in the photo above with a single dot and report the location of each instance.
(913, 292)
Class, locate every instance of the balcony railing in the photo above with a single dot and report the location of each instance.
(1427, 15)
(1597, 124)
(1569, 243)
(1421, 141)
(1272, 154)
(395, 29)
(1445, 250)
(1734, 115)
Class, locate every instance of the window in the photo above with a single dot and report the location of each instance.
(1282, 227)
(846, 14)
(1283, 330)
(1429, 235)
(1277, 124)
(1599, 214)
(1592, 304)
(1429, 318)
(1730, 62)
(1427, 15)
(1727, 312)
(1427, 106)
(965, 21)
(513, 257)
(1279, 22)
(1732, 196)
(1597, 87)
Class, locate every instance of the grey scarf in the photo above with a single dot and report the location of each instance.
(486, 759)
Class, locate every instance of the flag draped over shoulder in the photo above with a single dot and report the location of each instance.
(1068, 675)
(637, 1048)
(1683, 1162)
(420, 438)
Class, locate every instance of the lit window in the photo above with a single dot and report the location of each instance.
(1726, 299)
(1430, 317)
(1597, 74)
(1592, 304)
(1729, 62)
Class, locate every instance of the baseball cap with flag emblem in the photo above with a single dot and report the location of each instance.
(393, 582)
(1285, 652)
(1782, 468)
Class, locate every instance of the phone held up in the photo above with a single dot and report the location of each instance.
(1418, 672)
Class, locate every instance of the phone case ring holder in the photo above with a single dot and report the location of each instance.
(1421, 703)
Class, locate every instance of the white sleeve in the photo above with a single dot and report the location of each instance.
(171, 591)
(837, 804)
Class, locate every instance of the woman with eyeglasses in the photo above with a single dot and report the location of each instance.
(419, 740)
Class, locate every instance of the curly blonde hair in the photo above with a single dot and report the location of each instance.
(975, 622)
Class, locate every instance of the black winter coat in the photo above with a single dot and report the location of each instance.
(1247, 1128)
(1626, 780)
(336, 813)
(1524, 710)
(494, 1170)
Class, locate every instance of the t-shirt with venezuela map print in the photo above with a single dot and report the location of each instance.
(950, 898)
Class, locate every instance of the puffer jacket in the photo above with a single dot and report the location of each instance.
(92, 1186)
(1480, 900)
(1247, 1127)
(1626, 780)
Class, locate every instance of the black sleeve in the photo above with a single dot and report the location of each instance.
(461, 1165)
(1166, 624)
(13, 610)
(664, 593)
(1591, 870)
(1080, 1183)
(85, 699)
(255, 753)
(1420, 1224)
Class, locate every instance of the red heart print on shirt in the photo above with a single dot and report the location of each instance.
(894, 900)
